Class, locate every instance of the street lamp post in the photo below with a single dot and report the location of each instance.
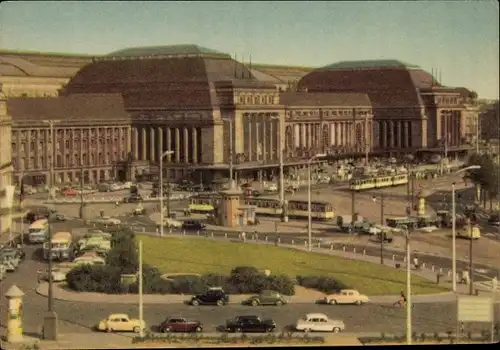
(309, 209)
(408, 288)
(281, 150)
(382, 234)
(231, 169)
(161, 192)
(454, 233)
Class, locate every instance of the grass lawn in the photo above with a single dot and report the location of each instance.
(196, 255)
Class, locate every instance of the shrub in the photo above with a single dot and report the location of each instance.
(281, 283)
(124, 256)
(322, 283)
(88, 278)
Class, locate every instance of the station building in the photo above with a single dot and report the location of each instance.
(412, 111)
(5, 165)
(207, 109)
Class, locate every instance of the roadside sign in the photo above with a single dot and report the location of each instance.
(475, 309)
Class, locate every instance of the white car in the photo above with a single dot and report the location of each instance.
(272, 188)
(106, 220)
(347, 296)
(316, 322)
(57, 275)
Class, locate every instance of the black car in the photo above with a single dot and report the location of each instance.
(132, 198)
(193, 225)
(211, 297)
(250, 323)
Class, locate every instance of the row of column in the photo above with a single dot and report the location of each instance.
(395, 134)
(308, 135)
(86, 146)
(261, 136)
(150, 142)
(450, 127)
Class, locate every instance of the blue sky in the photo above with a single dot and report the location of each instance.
(460, 38)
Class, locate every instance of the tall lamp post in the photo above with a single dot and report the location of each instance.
(309, 216)
(281, 150)
(231, 150)
(382, 234)
(453, 230)
(161, 192)
(408, 287)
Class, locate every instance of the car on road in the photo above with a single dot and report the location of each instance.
(250, 323)
(57, 275)
(121, 323)
(70, 192)
(18, 252)
(106, 220)
(213, 296)
(266, 297)
(133, 199)
(9, 265)
(346, 296)
(316, 322)
(171, 223)
(494, 220)
(3, 272)
(10, 256)
(180, 324)
(193, 225)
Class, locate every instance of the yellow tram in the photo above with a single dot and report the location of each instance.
(268, 207)
(378, 182)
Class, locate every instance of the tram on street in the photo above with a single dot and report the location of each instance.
(296, 209)
(369, 183)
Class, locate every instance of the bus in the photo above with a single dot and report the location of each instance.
(38, 231)
(61, 244)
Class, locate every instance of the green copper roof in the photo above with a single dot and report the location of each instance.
(166, 50)
(370, 64)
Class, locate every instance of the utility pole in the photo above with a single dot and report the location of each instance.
(453, 239)
(471, 262)
(382, 234)
(281, 150)
(353, 207)
(50, 324)
(408, 290)
(161, 191)
(141, 304)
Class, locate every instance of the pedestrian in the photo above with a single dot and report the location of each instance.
(243, 236)
(415, 262)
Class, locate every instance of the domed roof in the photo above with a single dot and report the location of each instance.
(19, 67)
(370, 64)
(388, 83)
(170, 50)
(161, 81)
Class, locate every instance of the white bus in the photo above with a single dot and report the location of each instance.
(38, 231)
(62, 245)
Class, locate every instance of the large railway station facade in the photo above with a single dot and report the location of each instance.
(193, 101)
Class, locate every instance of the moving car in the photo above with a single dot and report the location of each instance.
(347, 296)
(171, 223)
(316, 322)
(214, 296)
(106, 220)
(9, 265)
(121, 323)
(70, 192)
(250, 323)
(57, 275)
(180, 324)
(133, 198)
(193, 225)
(266, 297)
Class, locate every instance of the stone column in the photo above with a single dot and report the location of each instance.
(405, 134)
(194, 145)
(399, 132)
(177, 145)
(152, 146)
(159, 146)
(89, 146)
(383, 134)
(135, 141)
(249, 120)
(273, 135)
(186, 146)
(169, 144)
(144, 144)
(258, 141)
(98, 146)
(265, 123)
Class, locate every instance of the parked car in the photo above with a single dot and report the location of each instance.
(3, 272)
(18, 252)
(106, 220)
(317, 322)
(9, 265)
(171, 223)
(266, 297)
(347, 296)
(121, 323)
(70, 192)
(494, 220)
(250, 323)
(193, 225)
(61, 217)
(10, 255)
(57, 275)
(214, 296)
(180, 324)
